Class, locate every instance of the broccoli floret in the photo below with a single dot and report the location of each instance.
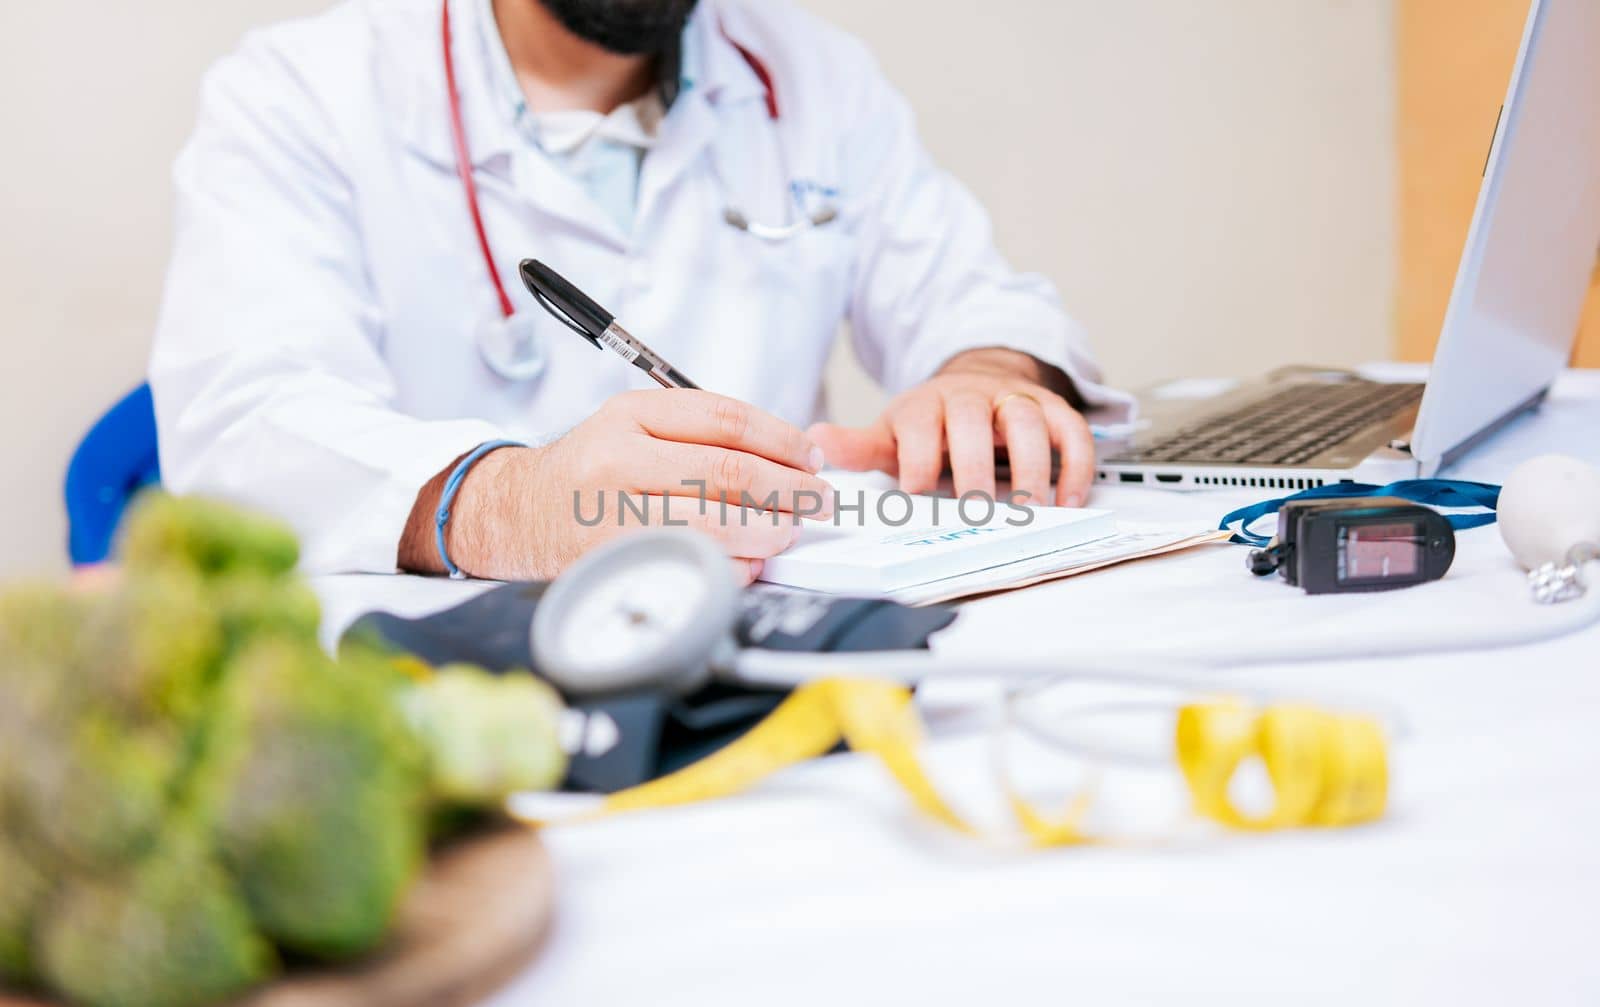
(40, 629)
(206, 536)
(252, 606)
(487, 736)
(155, 645)
(39, 618)
(171, 932)
(41, 638)
(186, 777)
(97, 792)
(23, 891)
(321, 815)
(97, 709)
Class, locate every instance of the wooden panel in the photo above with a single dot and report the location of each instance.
(1588, 352)
(1455, 59)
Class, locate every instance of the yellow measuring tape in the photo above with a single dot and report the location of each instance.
(1326, 768)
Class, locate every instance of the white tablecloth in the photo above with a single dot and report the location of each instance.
(1482, 885)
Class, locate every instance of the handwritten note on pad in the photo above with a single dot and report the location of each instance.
(874, 552)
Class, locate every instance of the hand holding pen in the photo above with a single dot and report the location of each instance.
(675, 452)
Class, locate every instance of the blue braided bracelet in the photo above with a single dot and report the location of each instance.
(448, 497)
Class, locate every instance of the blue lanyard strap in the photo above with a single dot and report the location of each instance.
(1433, 492)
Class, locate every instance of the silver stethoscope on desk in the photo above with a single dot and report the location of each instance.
(507, 340)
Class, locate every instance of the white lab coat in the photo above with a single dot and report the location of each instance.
(315, 356)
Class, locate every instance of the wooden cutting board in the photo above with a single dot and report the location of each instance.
(474, 920)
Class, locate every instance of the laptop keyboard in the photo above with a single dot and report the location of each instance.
(1285, 428)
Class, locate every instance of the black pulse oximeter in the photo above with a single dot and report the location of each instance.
(1357, 544)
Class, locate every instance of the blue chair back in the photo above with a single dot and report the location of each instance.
(113, 462)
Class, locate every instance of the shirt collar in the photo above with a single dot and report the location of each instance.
(633, 124)
(710, 68)
(680, 67)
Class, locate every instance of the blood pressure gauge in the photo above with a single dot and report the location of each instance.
(655, 609)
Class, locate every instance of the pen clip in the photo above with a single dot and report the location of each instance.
(576, 308)
(563, 317)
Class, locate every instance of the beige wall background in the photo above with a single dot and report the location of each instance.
(1209, 182)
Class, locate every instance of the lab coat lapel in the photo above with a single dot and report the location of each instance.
(506, 168)
(411, 61)
(686, 134)
(717, 81)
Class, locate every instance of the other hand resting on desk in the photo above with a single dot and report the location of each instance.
(979, 400)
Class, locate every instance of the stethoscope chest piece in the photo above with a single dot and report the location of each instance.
(510, 346)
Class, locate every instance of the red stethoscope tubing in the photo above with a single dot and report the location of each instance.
(458, 135)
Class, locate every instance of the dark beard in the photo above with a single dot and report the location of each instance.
(625, 27)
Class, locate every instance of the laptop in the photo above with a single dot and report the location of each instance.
(1509, 329)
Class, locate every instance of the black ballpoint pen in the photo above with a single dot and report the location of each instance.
(582, 315)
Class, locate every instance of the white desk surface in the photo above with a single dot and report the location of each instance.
(1482, 885)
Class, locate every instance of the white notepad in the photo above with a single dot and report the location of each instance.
(873, 554)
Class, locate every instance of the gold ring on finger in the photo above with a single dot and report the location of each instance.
(1001, 402)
